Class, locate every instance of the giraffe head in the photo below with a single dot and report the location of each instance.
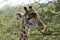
(32, 18)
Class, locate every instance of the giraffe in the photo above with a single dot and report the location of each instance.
(30, 19)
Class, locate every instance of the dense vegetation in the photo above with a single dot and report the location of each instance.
(49, 13)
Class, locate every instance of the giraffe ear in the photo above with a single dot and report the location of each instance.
(18, 15)
(25, 8)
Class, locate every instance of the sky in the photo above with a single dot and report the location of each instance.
(18, 2)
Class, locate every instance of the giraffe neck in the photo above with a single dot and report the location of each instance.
(24, 33)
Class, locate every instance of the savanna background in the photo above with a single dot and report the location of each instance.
(48, 10)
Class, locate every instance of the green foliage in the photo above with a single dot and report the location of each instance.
(10, 26)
